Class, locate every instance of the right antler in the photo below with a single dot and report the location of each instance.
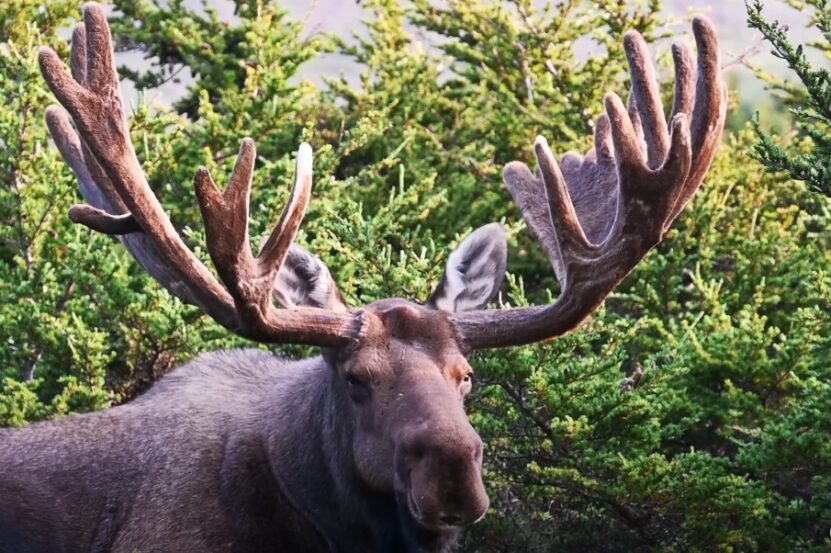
(103, 158)
(599, 216)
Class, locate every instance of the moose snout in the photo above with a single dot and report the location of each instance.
(442, 474)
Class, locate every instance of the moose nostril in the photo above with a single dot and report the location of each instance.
(451, 520)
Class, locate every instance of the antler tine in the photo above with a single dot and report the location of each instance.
(276, 247)
(709, 112)
(103, 158)
(95, 186)
(78, 54)
(526, 191)
(603, 145)
(616, 203)
(647, 98)
(632, 166)
(685, 72)
(567, 229)
(103, 222)
(225, 215)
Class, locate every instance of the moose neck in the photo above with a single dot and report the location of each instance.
(309, 440)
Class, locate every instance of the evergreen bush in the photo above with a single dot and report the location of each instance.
(809, 99)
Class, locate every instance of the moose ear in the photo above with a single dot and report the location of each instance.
(304, 281)
(475, 271)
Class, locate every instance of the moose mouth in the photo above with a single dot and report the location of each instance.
(420, 535)
(418, 517)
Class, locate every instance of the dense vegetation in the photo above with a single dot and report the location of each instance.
(692, 413)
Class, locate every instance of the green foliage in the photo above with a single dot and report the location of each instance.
(809, 159)
(691, 413)
(256, 57)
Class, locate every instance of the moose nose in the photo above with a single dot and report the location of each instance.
(443, 477)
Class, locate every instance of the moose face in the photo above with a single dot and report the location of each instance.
(403, 382)
(406, 385)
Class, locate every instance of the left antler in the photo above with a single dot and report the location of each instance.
(597, 217)
(102, 156)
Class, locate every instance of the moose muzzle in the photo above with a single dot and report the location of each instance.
(440, 471)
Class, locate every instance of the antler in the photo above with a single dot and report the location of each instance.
(102, 156)
(597, 217)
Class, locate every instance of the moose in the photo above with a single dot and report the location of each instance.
(366, 447)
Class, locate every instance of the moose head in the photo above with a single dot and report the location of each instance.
(394, 375)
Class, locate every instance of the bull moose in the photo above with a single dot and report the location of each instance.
(366, 447)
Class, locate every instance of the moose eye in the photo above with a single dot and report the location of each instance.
(357, 388)
(466, 385)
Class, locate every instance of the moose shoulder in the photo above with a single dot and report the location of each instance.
(367, 447)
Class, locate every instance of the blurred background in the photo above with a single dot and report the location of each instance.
(345, 18)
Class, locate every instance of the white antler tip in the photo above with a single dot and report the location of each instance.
(304, 158)
(541, 141)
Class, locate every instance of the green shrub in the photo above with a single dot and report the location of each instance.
(809, 99)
